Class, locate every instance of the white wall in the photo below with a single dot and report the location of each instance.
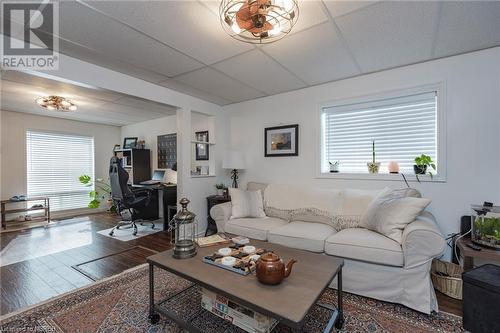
(473, 131)
(149, 131)
(13, 145)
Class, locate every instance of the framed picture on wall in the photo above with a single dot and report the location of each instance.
(129, 143)
(281, 141)
(202, 149)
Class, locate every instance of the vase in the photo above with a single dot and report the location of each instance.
(373, 167)
(334, 168)
(420, 169)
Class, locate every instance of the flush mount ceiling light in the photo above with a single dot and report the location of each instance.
(258, 21)
(56, 103)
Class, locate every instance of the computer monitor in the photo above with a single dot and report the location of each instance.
(158, 175)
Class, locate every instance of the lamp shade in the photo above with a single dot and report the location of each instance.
(233, 159)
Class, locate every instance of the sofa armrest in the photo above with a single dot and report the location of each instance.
(221, 214)
(422, 241)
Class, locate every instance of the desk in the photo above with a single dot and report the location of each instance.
(164, 195)
(213, 200)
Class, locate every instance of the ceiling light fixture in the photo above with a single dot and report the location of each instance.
(56, 103)
(258, 21)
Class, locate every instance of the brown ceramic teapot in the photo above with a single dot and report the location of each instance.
(271, 269)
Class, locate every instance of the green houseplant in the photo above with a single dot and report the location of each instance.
(220, 188)
(101, 192)
(422, 163)
(373, 166)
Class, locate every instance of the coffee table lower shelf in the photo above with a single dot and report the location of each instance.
(184, 308)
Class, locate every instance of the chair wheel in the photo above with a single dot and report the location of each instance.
(135, 232)
(111, 233)
(154, 318)
(153, 226)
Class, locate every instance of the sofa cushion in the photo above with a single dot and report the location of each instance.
(391, 211)
(256, 228)
(246, 203)
(366, 245)
(302, 235)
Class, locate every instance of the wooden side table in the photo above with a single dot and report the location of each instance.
(213, 200)
(469, 254)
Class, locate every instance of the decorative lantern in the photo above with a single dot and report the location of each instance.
(185, 229)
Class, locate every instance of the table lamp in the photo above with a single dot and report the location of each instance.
(234, 161)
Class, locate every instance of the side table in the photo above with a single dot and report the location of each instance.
(213, 200)
(469, 254)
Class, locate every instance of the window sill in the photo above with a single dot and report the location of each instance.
(382, 177)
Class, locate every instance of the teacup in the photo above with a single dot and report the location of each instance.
(248, 249)
(225, 251)
(228, 261)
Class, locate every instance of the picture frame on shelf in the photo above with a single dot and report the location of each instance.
(116, 147)
(281, 141)
(202, 149)
(130, 143)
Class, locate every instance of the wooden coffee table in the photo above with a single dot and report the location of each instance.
(288, 302)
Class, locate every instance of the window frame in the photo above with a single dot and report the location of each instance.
(440, 176)
(49, 131)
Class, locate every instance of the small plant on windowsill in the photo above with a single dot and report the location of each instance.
(102, 192)
(373, 166)
(422, 163)
(334, 166)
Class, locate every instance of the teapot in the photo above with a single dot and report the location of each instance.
(271, 269)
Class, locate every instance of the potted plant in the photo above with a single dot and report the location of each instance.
(334, 166)
(220, 189)
(102, 192)
(373, 166)
(422, 162)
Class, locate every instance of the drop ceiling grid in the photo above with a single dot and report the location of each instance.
(170, 46)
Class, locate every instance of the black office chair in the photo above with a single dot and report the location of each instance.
(124, 198)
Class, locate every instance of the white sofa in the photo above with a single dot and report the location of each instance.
(375, 265)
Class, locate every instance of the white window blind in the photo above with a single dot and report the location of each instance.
(54, 163)
(402, 127)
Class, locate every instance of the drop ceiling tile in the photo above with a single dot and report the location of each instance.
(310, 13)
(186, 89)
(390, 34)
(84, 26)
(339, 8)
(261, 72)
(315, 55)
(467, 26)
(218, 84)
(187, 26)
(92, 56)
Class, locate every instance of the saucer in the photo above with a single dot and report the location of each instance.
(225, 251)
(228, 261)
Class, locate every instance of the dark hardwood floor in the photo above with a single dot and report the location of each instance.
(34, 280)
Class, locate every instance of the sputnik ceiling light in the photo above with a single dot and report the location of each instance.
(258, 21)
(56, 103)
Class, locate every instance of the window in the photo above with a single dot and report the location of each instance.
(54, 163)
(402, 127)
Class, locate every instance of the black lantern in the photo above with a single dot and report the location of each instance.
(185, 230)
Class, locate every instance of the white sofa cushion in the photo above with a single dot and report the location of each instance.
(366, 245)
(302, 235)
(246, 203)
(256, 228)
(391, 211)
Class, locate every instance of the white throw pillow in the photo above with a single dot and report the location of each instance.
(246, 203)
(391, 211)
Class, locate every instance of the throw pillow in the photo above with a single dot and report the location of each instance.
(246, 203)
(391, 211)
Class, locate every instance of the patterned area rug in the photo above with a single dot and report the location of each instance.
(120, 304)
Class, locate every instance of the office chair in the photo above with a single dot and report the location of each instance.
(124, 198)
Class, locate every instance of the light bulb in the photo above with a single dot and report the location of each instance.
(72, 107)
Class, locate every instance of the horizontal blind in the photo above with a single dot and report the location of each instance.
(54, 163)
(402, 128)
